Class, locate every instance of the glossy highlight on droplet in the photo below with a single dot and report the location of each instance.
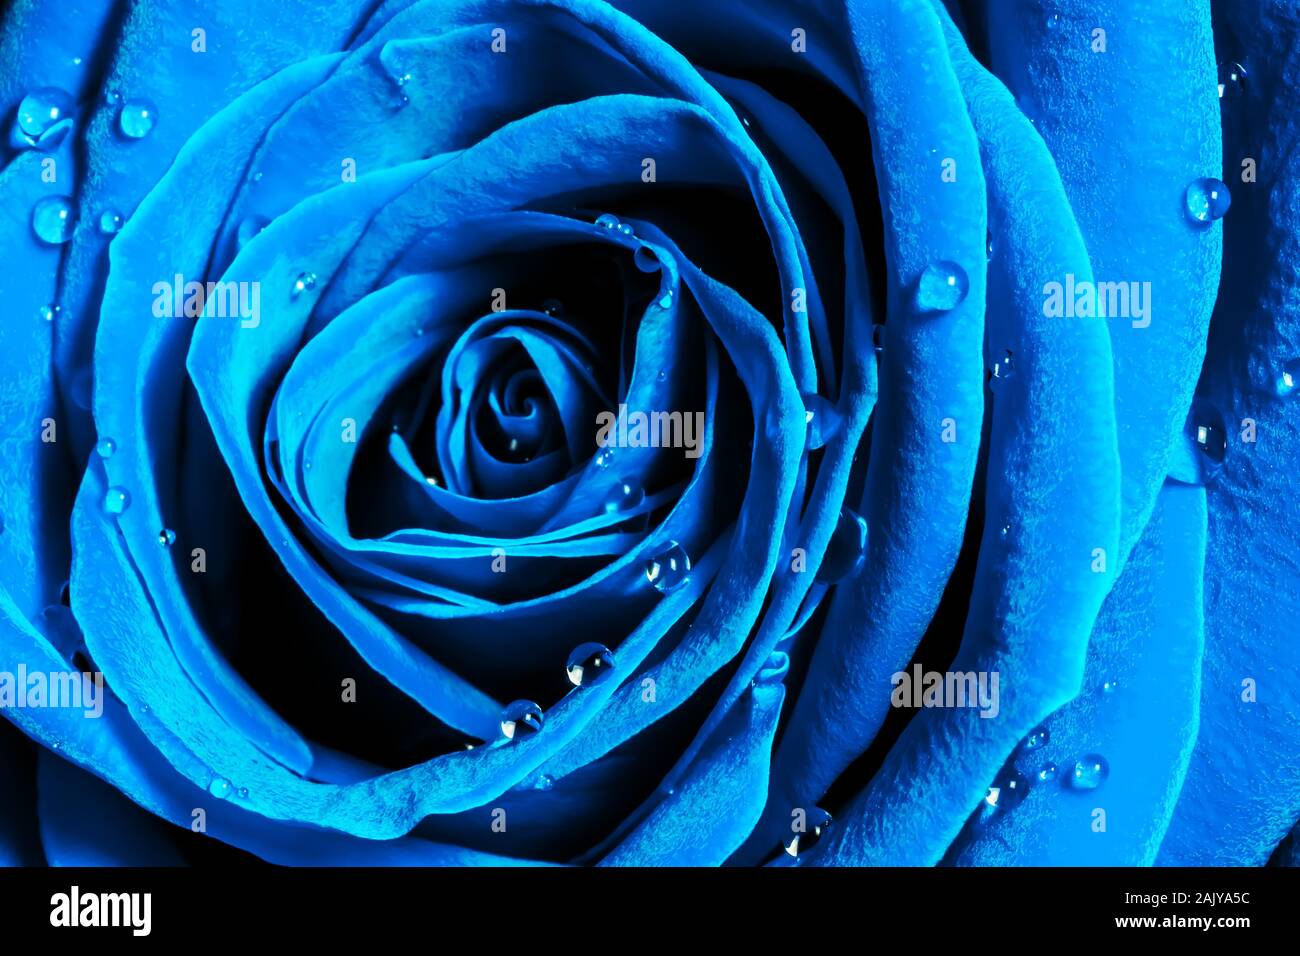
(1207, 200)
(54, 219)
(137, 118)
(44, 118)
(521, 718)
(116, 500)
(942, 287)
(589, 663)
(1090, 772)
(668, 569)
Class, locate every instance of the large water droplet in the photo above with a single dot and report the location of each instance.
(1232, 80)
(1090, 772)
(942, 286)
(44, 117)
(522, 718)
(669, 569)
(219, 788)
(249, 228)
(814, 828)
(116, 500)
(137, 118)
(110, 221)
(1207, 199)
(823, 419)
(604, 457)
(105, 447)
(846, 552)
(606, 221)
(588, 664)
(625, 495)
(53, 219)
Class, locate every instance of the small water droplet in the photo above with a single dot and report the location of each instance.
(110, 221)
(137, 118)
(219, 788)
(822, 418)
(50, 312)
(105, 447)
(604, 457)
(45, 117)
(1207, 199)
(544, 782)
(1037, 739)
(625, 229)
(606, 221)
(116, 500)
(249, 228)
(1288, 377)
(53, 219)
(815, 827)
(1002, 369)
(553, 307)
(112, 97)
(1210, 435)
(522, 718)
(305, 282)
(166, 537)
(669, 569)
(589, 663)
(625, 496)
(942, 286)
(1232, 80)
(243, 793)
(846, 551)
(1090, 772)
(1048, 772)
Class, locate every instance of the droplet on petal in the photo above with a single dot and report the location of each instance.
(137, 118)
(1207, 200)
(53, 219)
(522, 718)
(942, 287)
(668, 570)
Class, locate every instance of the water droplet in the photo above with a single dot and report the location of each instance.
(846, 551)
(50, 312)
(112, 97)
(1210, 435)
(1207, 199)
(878, 337)
(815, 827)
(625, 496)
(553, 307)
(105, 447)
(1110, 687)
(166, 537)
(110, 221)
(823, 419)
(669, 569)
(588, 664)
(521, 719)
(607, 221)
(249, 228)
(1038, 738)
(988, 245)
(1287, 378)
(1004, 532)
(402, 79)
(399, 101)
(305, 282)
(1090, 772)
(1232, 80)
(625, 229)
(137, 118)
(942, 286)
(1048, 772)
(53, 219)
(544, 782)
(604, 457)
(243, 793)
(666, 300)
(219, 788)
(1002, 369)
(44, 117)
(116, 500)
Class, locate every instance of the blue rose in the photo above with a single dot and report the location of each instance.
(568, 431)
